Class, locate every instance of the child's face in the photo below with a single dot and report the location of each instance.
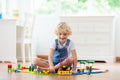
(62, 37)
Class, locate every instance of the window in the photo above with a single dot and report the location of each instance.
(0, 6)
(62, 7)
(77, 7)
(3, 7)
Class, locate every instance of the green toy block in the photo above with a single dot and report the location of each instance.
(10, 70)
(19, 66)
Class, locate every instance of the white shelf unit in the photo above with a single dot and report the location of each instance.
(8, 40)
(93, 36)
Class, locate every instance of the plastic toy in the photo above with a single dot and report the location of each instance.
(16, 71)
(93, 72)
(65, 70)
(86, 67)
(19, 66)
(0, 15)
(90, 66)
(64, 73)
(82, 66)
(46, 71)
(10, 68)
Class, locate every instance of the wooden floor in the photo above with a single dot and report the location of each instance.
(113, 74)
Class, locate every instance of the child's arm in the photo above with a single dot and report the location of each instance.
(50, 59)
(74, 55)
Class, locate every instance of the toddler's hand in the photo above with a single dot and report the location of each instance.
(52, 69)
(73, 71)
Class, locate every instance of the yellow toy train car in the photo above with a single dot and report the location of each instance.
(64, 73)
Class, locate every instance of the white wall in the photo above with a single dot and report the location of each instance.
(117, 36)
(44, 33)
(24, 5)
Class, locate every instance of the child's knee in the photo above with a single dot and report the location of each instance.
(70, 60)
(36, 61)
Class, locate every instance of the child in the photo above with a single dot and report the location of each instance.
(62, 51)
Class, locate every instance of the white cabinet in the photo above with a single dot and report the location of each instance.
(8, 40)
(93, 37)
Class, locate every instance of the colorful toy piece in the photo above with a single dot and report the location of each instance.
(82, 66)
(19, 66)
(64, 73)
(16, 71)
(46, 71)
(86, 66)
(64, 70)
(10, 68)
(90, 65)
(31, 68)
(69, 68)
(39, 71)
(93, 72)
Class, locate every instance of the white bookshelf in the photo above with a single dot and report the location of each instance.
(93, 36)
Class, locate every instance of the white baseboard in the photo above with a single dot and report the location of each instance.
(8, 59)
(110, 59)
(26, 59)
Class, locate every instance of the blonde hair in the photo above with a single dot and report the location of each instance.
(63, 27)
